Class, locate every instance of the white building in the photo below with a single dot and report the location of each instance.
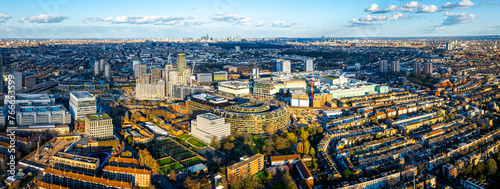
(209, 125)
(99, 125)
(382, 65)
(255, 73)
(283, 66)
(106, 72)
(395, 66)
(17, 77)
(81, 104)
(333, 79)
(150, 91)
(235, 88)
(101, 64)
(33, 115)
(96, 68)
(309, 65)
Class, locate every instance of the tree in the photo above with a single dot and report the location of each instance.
(287, 179)
(173, 177)
(375, 121)
(480, 167)
(228, 146)
(300, 148)
(190, 184)
(347, 173)
(491, 167)
(281, 143)
(468, 170)
(231, 138)
(312, 152)
(145, 159)
(292, 138)
(378, 136)
(303, 134)
(271, 128)
(215, 142)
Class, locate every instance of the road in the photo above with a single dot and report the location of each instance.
(163, 182)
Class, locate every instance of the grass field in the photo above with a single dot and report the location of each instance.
(176, 166)
(184, 136)
(165, 161)
(196, 142)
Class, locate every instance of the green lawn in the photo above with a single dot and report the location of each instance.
(176, 166)
(193, 161)
(184, 136)
(165, 161)
(196, 142)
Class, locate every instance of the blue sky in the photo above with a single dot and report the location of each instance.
(245, 18)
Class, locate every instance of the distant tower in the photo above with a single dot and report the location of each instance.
(101, 65)
(382, 64)
(395, 66)
(417, 68)
(236, 48)
(106, 72)
(309, 65)
(255, 73)
(449, 46)
(428, 68)
(1, 74)
(283, 66)
(96, 68)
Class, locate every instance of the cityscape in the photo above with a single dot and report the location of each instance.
(231, 94)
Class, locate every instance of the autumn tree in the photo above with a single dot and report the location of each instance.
(173, 177)
(288, 180)
(491, 167)
(228, 146)
(145, 159)
(215, 142)
(190, 183)
(292, 138)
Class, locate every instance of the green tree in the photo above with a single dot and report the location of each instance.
(480, 167)
(378, 136)
(191, 184)
(347, 174)
(215, 142)
(228, 146)
(312, 152)
(303, 134)
(292, 138)
(287, 179)
(491, 167)
(468, 170)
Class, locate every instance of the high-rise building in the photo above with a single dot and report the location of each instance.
(106, 72)
(29, 79)
(181, 63)
(428, 68)
(248, 166)
(382, 65)
(449, 46)
(209, 125)
(140, 71)
(99, 126)
(236, 48)
(1, 74)
(395, 66)
(255, 73)
(96, 68)
(417, 68)
(81, 104)
(283, 66)
(156, 75)
(101, 65)
(18, 80)
(309, 66)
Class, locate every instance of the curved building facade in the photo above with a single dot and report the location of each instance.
(252, 118)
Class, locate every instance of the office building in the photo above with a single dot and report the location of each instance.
(140, 71)
(417, 68)
(247, 167)
(145, 90)
(34, 99)
(220, 76)
(382, 65)
(449, 46)
(402, 81)
(156, 75)
(428, 68)
(235, 88)
(299, 98)
(99, 126)
(183, 91)
(395, 66)
(255, 73)
(96, 68)
(34, 115)
(81, 104)
(29, 79)
(264, 89)
(75, 163)
(106, 72)
(208, 125)
(309, 65)
(181, 63)
(18, 80)
(204, 77)
(138, 177)
(283, 66)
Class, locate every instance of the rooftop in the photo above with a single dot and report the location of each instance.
(82, 95)
(241, 163)
(97, 116)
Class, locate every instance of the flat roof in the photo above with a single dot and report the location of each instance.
(241, 163)
(82, 94)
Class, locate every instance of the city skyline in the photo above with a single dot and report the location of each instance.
(256, 19)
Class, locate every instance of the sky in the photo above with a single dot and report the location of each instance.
(246, 18)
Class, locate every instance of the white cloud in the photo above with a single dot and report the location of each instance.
(398, 16)
(140, 19)
(260, 24)
(282, 24)
(4, 18)
(439, 28)
(191, 7)
(458, 18)
(428, 8)
(464, 4)
(44, 18)
(490, 3)
(373, 18)
(412, 6)
(235, 19)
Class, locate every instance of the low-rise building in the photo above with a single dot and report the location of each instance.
(245, 168)
(138, 177)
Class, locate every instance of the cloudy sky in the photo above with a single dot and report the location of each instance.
(246, 18)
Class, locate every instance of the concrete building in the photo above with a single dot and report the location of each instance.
(17, 77)
(264, 89)
(428, 68)
(96, 68)
(33, 115)
(417, 68)
(140, 70)
(204, 77)
(102, 63)
(107, 73)
(395, 66)
(181, 63)
(382, 65)
(99, 126)
(75, 163)
(235, 88)
(29, 79)
(208, 125)
(283, 66)
(156, 75)
(248, 166)
(299, 98)
(449, 46)
(308, 65)
(333, 79)
(220, 76)
(80, 104)
(255, 73)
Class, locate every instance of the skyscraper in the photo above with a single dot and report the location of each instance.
(96, 68)
(309, 65)
(395, 66)
(101, 65)
(155, 75)
(449, 46)
(106, 72)
(181, 63)
(283, 66)
(255, 73)
(140, 70)
(382, 65)
(428, 68)
(417, 68)
(81, 104)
